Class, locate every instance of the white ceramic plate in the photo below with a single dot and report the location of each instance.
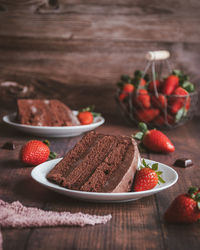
(44, 131)
(40, 172)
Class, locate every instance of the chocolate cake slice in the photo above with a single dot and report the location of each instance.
(98, 163)
(45, 113)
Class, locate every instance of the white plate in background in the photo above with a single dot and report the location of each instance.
(40, 172)
(45, 131)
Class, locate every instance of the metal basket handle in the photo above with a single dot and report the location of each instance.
(157, 55)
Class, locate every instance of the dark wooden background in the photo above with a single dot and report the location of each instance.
(77, 48)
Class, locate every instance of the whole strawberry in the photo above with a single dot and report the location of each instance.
(154, 139)
(34, 152)
(143, 99)
(159, 102)
(171, 83)
(147, 115)
(127, 89)
(151, 87)
(179, 99)
(185, 208)
(147, 177)
(85, 117)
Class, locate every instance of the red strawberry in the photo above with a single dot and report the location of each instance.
(154, 139)
(128, 88)
(170, 84)
(147, 178)
(122, 96)
(34, 152)
(147, 115)
(142, 82)
(85, 117)
(143, 99)
(159, 102)
(179, 99)
(185, 208)
(151, 85)
(161, 120)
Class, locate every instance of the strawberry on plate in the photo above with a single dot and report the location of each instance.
(147, 177)
(87, 115)
(35, 152)
(185, 208)
(154, 139)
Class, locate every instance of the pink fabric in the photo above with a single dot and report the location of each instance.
(15, 215)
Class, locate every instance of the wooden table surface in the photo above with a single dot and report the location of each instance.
(134, 225)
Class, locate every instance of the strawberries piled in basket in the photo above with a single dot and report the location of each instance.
(168, 101)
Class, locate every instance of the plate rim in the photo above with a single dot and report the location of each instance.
(98, 194)
(6, 119)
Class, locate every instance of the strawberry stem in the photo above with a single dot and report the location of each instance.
(155, 168)
(89, 109)
(46, 142)
(138, 136)
(52, 155)
(142, 127)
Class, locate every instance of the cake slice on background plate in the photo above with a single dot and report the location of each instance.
(98, 163)
(45, 113)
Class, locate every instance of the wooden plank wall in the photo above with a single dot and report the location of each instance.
(76, 50)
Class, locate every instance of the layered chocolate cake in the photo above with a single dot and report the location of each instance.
(45, 113)
(98, 163)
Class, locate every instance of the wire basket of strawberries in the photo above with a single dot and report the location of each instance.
(158, 96)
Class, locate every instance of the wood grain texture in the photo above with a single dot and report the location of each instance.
(135, 225)
(82, 44)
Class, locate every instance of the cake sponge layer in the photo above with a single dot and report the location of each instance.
(98, 163)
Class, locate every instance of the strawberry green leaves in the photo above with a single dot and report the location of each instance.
(155, 168)
(184, 80)
(154, 140)
(143, 129)
(194, 193)
(91, 109)
(52, 155)
(147, 177)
